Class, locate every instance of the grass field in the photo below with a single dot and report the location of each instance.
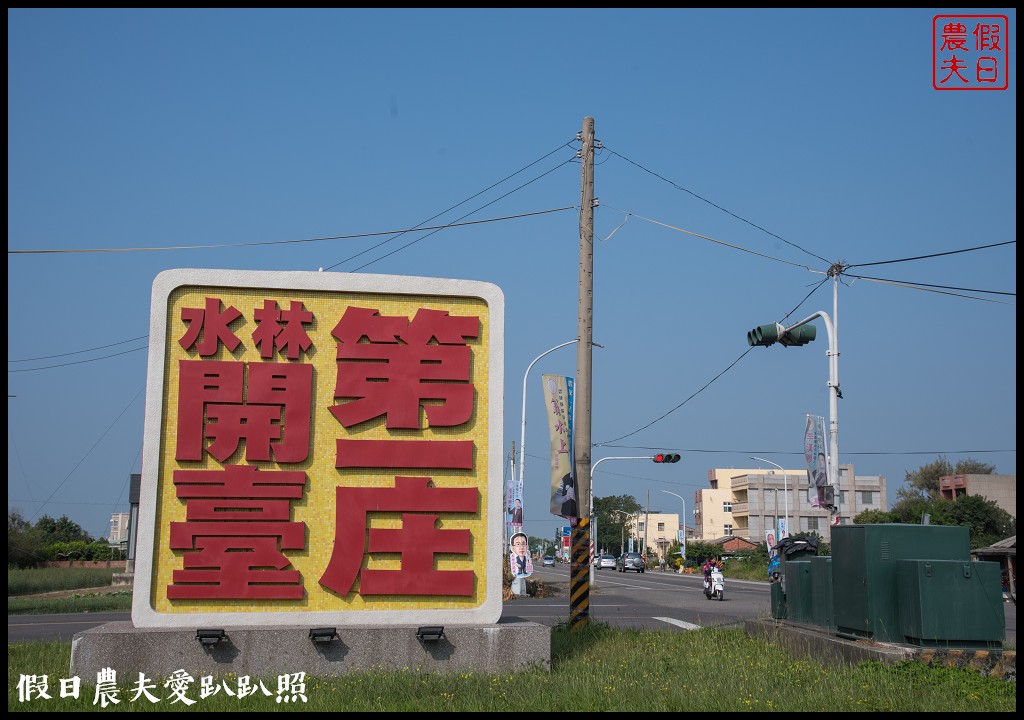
(596, 669)
(32, 581)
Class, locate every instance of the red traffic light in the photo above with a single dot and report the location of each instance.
(666, 458)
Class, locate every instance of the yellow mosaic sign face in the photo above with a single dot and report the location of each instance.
(325, 450)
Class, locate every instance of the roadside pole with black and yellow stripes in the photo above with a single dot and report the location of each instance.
(579, 579)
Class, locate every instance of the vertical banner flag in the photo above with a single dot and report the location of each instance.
(558, 397)
(514, 502)
(817, 460)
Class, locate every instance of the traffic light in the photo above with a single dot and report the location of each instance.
(765, 335)
(798, 335)
(666, 458)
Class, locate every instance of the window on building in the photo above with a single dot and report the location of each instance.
(812, 523)
(842, 497)
(728, 530)
(727, 506)
(661, 527)
(866, 497)
(842, 473)
(640, 527)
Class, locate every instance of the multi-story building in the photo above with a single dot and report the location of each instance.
(655, 532)
(119, 528)
(1001, 489)
(747, 502)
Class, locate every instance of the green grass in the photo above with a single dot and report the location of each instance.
(120, 601)
(41, 580)
(595, 669)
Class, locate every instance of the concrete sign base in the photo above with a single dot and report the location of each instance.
(272, 651)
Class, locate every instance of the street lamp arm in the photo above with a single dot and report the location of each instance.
(785, 491)
(522, 436)
(593, 467)
(526, 375)
(683, 544)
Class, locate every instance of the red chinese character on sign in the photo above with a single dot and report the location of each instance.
(278, 397)
(954, 36)
(290, 338)
(986, 36)
(417, 541)
(988, 69)
(237, 524)
(397, 372)
(214, 326)
(954, 65)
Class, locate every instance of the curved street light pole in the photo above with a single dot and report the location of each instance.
(522, 436)
(593, 520)
(684, 521)
(785, 492)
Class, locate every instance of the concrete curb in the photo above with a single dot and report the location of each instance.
(816, 643)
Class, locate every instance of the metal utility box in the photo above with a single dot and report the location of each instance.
(951, 603)
(799, 603)
(822, 612)
(778, 600)
(864, 586)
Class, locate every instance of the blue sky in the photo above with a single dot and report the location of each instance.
(793, 139)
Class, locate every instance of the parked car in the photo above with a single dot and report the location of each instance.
(631, 561)
(605, 561)
(549, 561)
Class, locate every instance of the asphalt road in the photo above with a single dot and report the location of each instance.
(651, 600)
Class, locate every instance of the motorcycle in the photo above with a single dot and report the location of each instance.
(714, 586)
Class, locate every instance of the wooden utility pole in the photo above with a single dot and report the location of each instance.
(579, 593)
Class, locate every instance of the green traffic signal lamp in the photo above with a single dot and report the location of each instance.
(765, 335)
(799, 335)
(666, 458)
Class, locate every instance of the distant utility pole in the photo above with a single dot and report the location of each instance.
(579, 595)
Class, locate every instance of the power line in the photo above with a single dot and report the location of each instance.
(705, 237)
(678, 187)
(467, 215)
(285, 242)
(78, 352)
(417, 227)
(934, 255)
(78, 362)
(89, 452)
(925, 286)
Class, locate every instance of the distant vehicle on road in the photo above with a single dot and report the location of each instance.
(605, 561)
(549, 561)
(631, 561)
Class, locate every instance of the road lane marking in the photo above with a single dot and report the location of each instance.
(679, 623)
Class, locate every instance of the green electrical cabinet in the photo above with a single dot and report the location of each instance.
(866, 596)
(951, 604)
(778, 600)
(823, 611)
(799, 605)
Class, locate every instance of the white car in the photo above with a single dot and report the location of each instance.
(549, 561)
(605, 561)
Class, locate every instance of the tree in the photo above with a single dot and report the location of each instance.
(25, 546)
(873, 517)
(612, 515)
(924, 482)
(988, 523)
(63, 530)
